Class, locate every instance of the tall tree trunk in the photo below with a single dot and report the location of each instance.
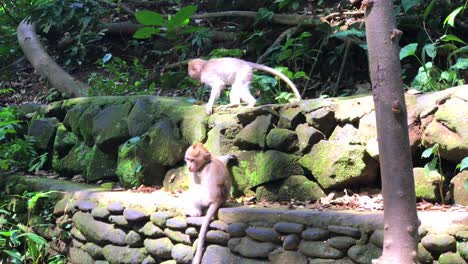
(400, 216)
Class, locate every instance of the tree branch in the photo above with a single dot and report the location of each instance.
(284, 35)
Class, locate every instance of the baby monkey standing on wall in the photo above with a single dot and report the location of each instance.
(217, 73)
(209, 187)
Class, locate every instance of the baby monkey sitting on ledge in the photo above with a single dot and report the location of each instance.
(217, 73)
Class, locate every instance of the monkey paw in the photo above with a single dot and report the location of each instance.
(209, 110)
(193, 212)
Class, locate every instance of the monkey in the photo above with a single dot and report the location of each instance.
(209, 187)
(217, 73)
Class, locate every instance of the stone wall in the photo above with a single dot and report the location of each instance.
(98, 226)
(300, 152)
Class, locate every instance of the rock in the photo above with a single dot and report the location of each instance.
(177, 179)
(451, 258)
(151, 260)
(84, 206)
(85, 124)
(191, 232)
(290, 118)
(319, 249)
(129, 165)
(72, 117)
(341, 242)
(194, 125)
(151, 230)
(100, 213)
(93, 250)
(219, 255)
(345, 230)
(291, 242)
(182, 253)
(43, 130)
(281, 256)
(323, 119)
(159, 218)
(307, 136)
(133, 239)
(217, 236)
(124, 255)
(219, 225)
(254, 134)
(220, 140)
(449, 130)
(159, 248)
(237, 229)
(76, 255)
(282, 139)
(134, 215)
(115, 208)
(351, 109)
(288, 228)
(177, 236)
(458, 188)
(75, 162)
(100, 165)
(462, 249)
(264, 234)
(439, 243)
(176, 223)
(427, 186)
(364, 253)
(119, 220)
(194, 220)
(424, 256)
(462, 235)
(264, 167)
(64, 141)
(331, 261)
(77, 234)
(377, 238)
(315, 234)
(346, 134)
(372, 148)
(142, 115)
(299, 188)
(110, 127)
(96, 231)
(367, 127)
(337, 164)
(249, 248)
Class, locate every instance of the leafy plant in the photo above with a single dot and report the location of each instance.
(434, 165)
(220, 53)
(120, 78)
(156, 24)
(74, 18)
(432, 76)
(18, 244)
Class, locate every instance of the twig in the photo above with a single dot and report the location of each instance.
(345, 55)
(346, 13)
(284, 35)
(292, 20)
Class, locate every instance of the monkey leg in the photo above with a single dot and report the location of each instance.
(216, 88)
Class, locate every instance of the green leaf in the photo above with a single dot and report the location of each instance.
(429, 9)
(344, 34)
(263, 14)
(36, 239)
(427, 153)
(463, 164)
(145, 32)
(301, 74)
(447, 38)
(431, 50)
(408, 4)
(466, 185)
(284, 55)
(461, 64)
(450, 19)
(149, 18)
(430, 166)
(182, 16)
(408, 50)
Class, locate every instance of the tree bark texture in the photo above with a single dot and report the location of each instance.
(45, 65)
(400, 216)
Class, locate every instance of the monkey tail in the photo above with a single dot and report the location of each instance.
(202, 235)
(279, 74)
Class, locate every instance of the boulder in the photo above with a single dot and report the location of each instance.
(100, 165)
(337, 164)
(290, 118)
(85, 124)
(110, 127)
(459, 188)
(283, 256)
(296, 187)
(177, 179)
(282, 139)
(427, 184)
(253, 135)
(142, 116)
(124, 255)
(64, 141)
(43, 130)
(75, 162)
(322, 119)
(449, 130)
(307, 136)
(364, 254)
(249, 248)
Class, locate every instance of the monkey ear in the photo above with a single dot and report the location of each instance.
(207, 156)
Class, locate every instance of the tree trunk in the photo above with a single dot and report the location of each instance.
(400, 216)
(45, 65)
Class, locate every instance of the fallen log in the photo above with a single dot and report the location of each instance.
(45, 65)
